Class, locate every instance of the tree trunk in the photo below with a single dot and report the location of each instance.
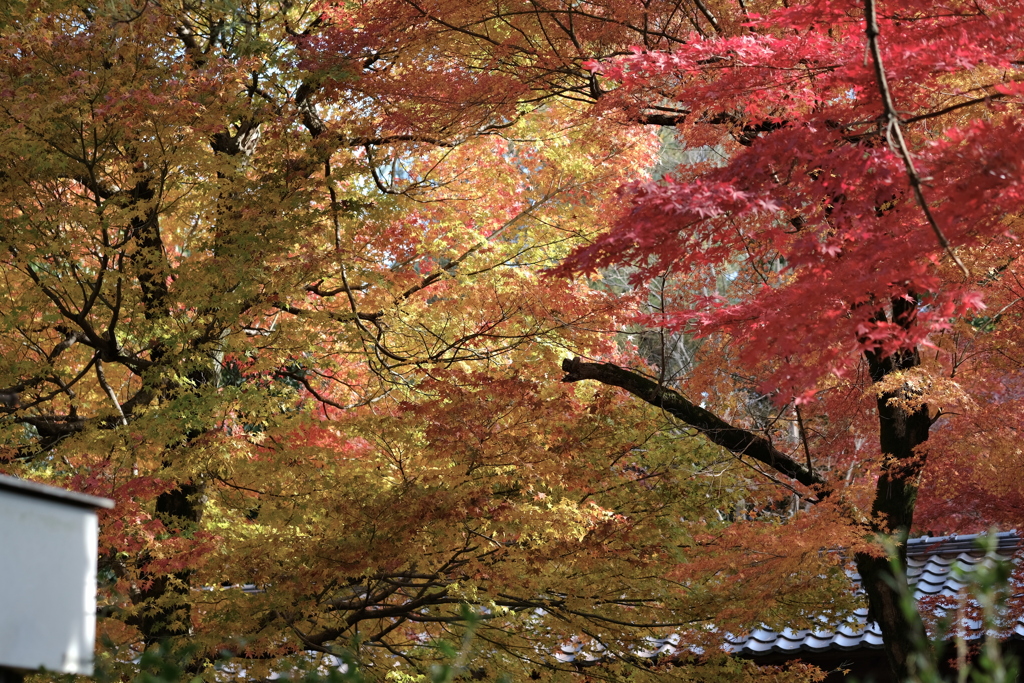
(903, 425)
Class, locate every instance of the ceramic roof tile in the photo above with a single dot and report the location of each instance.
(816, 642)
(851, 630)
(932, 579)
(787, 645)
(872, 639)
(758, 647)
(847, 642)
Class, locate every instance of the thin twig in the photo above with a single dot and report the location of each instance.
(894, 131)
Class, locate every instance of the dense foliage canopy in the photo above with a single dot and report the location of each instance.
(295, 284)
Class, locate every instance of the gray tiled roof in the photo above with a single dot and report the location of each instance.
(929, 570)
(930, 562)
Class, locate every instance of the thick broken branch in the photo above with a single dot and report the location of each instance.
(717, 430)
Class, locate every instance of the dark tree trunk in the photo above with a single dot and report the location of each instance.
(167, 606)
(903, 425)
(167, 611)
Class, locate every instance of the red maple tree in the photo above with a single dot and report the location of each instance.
(865, 209)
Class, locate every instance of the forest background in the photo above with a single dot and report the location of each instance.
(377, 306)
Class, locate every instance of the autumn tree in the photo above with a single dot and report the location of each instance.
(846, 248)
(271, 280)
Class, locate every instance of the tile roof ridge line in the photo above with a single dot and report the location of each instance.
(933, 545)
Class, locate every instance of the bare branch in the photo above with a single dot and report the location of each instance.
(895, 131)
